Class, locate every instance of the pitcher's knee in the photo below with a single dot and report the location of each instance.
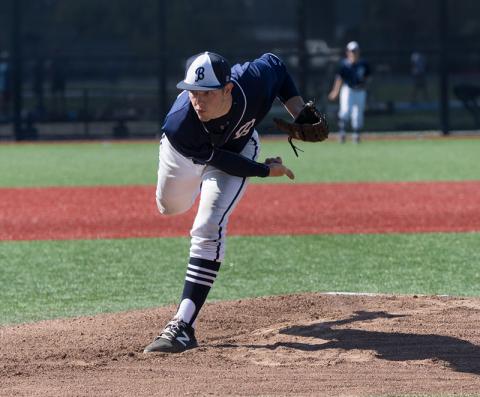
(168, 208)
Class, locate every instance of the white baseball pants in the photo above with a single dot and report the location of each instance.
(179, 183)
(352, 106)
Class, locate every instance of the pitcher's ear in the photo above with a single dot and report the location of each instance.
(228, 88)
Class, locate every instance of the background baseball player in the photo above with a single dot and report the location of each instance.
(350, 85)
(210, 147)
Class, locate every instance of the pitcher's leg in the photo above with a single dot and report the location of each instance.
(220, 195)
(178, 182)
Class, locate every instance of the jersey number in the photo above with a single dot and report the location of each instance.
(244, 129)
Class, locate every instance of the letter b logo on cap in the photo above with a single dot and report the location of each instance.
(200, 73)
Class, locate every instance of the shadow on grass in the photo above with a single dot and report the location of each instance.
(461, 356)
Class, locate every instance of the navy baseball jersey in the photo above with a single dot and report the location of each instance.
(218, 141)
(354, 74)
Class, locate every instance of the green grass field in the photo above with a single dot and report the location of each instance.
(105, 163)
(48, 279)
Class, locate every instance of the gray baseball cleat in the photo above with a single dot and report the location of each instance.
(177, 337)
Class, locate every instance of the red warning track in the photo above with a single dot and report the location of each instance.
(118, 212)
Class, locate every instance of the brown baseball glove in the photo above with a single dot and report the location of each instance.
(309, 126)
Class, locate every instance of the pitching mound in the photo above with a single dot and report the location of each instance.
(311, 344)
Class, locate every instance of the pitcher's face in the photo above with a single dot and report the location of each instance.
(211, 104)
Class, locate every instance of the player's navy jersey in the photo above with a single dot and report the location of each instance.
(256, 85)
(354, 74)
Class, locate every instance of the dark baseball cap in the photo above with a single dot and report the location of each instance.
(206, 71)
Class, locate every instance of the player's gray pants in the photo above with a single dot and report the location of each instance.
(179, 183)
(352, 106)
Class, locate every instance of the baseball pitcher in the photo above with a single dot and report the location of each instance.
(210, 148)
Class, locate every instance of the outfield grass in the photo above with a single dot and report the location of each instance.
(104, 163)
(77, 164)
(48, 279)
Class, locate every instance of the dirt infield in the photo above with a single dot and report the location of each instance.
(116, 212)
(308, 345)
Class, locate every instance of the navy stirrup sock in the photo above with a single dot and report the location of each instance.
(201, 274)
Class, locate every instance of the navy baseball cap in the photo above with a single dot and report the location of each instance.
(206, 71)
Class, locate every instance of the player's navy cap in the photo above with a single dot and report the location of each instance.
(205, 72)
(353, 46)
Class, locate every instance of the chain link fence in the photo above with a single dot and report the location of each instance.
(88, 70)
